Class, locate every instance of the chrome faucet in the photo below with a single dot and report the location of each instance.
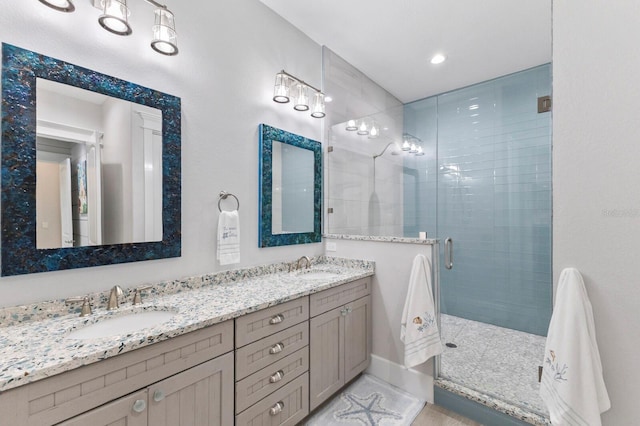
(301, 259)
(114, 297)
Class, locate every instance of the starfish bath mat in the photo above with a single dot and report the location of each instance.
(369, 401)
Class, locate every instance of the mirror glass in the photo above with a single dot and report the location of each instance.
(116, 147)
(98, 168)
(290, 188)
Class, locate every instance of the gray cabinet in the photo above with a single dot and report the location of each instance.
(199, 396)
(184, 365)
(118, 412)
(271, 362)
(339, 339)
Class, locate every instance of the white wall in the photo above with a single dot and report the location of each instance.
(224, 74)
(389, 290)
(595, 178)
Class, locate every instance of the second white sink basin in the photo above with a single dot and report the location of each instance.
(122, 324)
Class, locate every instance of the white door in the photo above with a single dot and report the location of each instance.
(65, 203)
(94, 194)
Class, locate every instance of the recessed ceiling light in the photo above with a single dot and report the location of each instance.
(438, 59)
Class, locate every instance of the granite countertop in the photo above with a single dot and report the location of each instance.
(34, 343)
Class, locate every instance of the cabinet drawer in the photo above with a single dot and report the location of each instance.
(286, 406)
(257, 325)
(260, 354)
(258, 385)
(338, 296)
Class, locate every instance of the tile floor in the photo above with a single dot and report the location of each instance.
(494, 360)
(433, 415)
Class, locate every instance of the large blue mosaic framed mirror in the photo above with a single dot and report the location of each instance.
(290, 188)
(91, 167)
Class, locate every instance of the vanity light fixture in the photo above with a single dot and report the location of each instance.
(412, 145)
(59, 5)
(351, 126)
(288, 86)
(362, 128)
(115, 19)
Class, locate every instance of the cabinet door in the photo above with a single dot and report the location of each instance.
(200, 396)
(120, 412)
(357, 337)
(326, 368)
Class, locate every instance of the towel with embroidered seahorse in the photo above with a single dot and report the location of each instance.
(572, 385)
(419, 328)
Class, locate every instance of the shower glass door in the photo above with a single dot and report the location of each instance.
(488, 178)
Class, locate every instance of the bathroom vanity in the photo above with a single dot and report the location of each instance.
(292, 344)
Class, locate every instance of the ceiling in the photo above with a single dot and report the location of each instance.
(392, 41)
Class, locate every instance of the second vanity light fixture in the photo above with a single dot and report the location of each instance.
(115, 19)
(287, 86)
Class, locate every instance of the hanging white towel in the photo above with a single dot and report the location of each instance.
(228, 250)
(572, 385)
(419, 328)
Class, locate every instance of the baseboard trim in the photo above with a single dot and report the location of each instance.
(412, 381)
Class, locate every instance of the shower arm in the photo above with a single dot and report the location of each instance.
(374, 163)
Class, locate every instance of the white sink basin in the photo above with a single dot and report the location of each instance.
(122, 324)
(318, 274)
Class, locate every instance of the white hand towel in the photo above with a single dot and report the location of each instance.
(572, 385)
(419, 328)
(228, 250)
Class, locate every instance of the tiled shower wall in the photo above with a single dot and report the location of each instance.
(486, 183)
(365, 194)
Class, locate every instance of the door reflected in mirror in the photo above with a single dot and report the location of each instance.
(98, 169)
(292, 202)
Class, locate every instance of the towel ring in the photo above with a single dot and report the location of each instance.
(223, 196)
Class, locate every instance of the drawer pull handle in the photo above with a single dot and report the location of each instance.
(276, 377)
(277, 348)
(276, 319)
(276, 409)
(139, 406)
(158, 395)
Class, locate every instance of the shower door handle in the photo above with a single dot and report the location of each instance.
(448, 253)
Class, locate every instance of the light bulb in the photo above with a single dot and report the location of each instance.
(362, 128)
(405, 145)
(351, 125)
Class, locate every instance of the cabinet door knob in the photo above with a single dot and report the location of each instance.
(276, 408)
(276, 319)
(139, 406)
(277, 348)
(158, 395)
(276, 377)
(343, 312)
(349, 309)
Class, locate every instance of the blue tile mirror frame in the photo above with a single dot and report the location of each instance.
(290, 188)
(20, 255)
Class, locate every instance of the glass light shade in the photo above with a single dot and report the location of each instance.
(317, 110)
(351, 126)
(374, 132)
(165, 39)
(406, 146)
(115, 17)
(301, 98)
(60, 5)
(413, 149)
(281, 89)
(419, 151)
(362, 128)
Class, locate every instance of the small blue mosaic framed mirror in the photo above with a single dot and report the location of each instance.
(290, 188)
(91, 167)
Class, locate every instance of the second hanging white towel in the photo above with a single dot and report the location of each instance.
(419, 328)
(228, 250)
